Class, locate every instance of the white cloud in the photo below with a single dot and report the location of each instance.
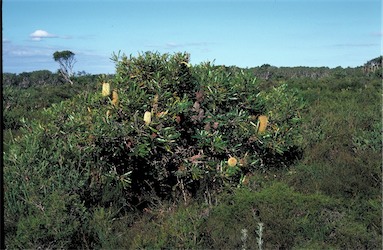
(37, 35)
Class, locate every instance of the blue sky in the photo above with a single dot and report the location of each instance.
(248, 33)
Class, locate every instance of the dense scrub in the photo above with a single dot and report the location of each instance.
(21, 100)
(180, 156)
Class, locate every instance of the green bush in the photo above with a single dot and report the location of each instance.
(164, 227)
(27, 104)
(290, 219)
(100, 154)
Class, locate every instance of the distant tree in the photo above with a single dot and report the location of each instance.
(81, 73)
(374, 66)
(9, 79)
(266, 71)
(66, 61)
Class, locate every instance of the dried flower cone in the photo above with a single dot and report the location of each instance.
(262, 123)
(147, 117)
(105, 89)
(115, 98)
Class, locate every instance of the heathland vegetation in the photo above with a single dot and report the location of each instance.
(164, 154)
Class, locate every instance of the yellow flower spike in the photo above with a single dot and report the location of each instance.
(232, 161)
(115, 97)
(147, 117)
(262, 123)
(105, 89)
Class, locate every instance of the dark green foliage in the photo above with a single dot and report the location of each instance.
(26, 104)
(63, 55)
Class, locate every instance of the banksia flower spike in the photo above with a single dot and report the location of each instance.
(262, 123)
(147, 117)
(232, 161)
(105, 89)
(115, 97)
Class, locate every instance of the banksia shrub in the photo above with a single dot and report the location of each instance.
(201, 114)
(105, 89)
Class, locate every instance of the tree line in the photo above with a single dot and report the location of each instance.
(264, 72)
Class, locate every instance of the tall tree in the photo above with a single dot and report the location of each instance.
(66, 61)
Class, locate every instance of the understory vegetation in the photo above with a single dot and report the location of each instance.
(164, 154)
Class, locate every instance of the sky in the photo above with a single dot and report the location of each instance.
(315, 33)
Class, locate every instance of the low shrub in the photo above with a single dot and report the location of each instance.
(289, 218)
